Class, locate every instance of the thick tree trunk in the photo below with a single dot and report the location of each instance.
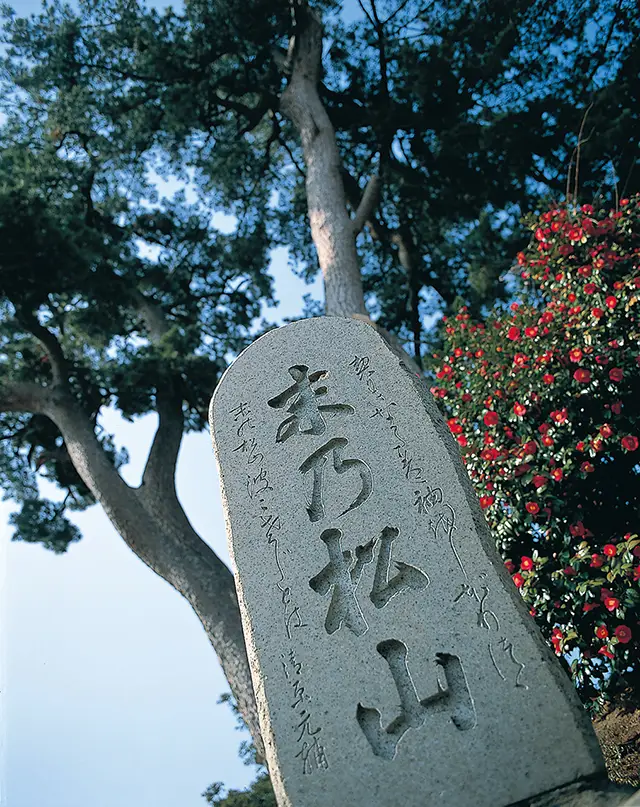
(333, 231)
(153, 524)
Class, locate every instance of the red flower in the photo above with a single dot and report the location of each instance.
(519, 409)
(636, 573)
(596, 561)
(569, 571)
(611, 301)
(491, 418)
(616, 374)
(610, 550)
(531, 331)
(604, 651)
(589, 606)
(597, 313)
(526, 563)
(539, 480)
(587, 468)
(548, 378)
(520, 359)
(611, 603)
(486, 501)
(530, 447)
(518, 579)
(454, 426)
(532, 507)
(575, 355)
(510, 565)
(557, 474)
(582, 376)
(616, 407)
(630, 442)
(589, 288)
(559, 415)
(513, 333)
(602, 632)
(557, 640)
(606, 430)
(462, 440)
(623, 634)
(578, 529)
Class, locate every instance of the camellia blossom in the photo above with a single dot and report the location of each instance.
(622, 634)
(491, 418)
(518, 579)
(582, 375)
(575, 355)
(616, 374)
(513, 333)
(602, 632)
(519, 409)
(610, 550)
(630, 442)
(532, 507)
(539, 481)
(596, 561)
(559, 415)
(548, 378)
(526, 563)
(611, 603)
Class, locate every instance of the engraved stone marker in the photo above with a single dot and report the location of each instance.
(393, 659)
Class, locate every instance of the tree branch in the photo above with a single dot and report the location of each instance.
(59, 364)
(160, 468)
(367, 204)
(23, 396)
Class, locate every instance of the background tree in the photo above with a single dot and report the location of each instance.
(543, 398)
(414, 129)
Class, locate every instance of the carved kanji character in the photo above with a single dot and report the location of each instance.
(305, 413)
(408, 577)
(453, 699)
(316, 463)
(343, 574)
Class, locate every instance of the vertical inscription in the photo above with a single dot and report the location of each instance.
(429, 500)
(312, 754)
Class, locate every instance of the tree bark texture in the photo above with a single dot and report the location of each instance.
(333, 231)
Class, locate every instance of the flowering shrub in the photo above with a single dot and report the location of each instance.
(544, 400)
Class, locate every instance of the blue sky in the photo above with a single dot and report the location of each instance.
(109, 684)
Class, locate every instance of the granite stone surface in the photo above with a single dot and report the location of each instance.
(393, 659)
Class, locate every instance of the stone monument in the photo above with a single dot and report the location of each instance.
(393, 659)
